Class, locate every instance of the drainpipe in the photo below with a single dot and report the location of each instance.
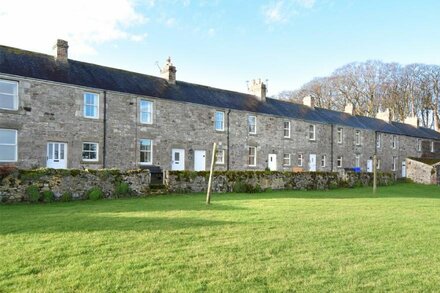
(227, 139)
(331, 147)
(104, 144)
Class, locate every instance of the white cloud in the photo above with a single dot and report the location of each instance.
(35, 25)
(281, 11)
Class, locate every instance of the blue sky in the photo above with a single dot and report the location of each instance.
(224, 43)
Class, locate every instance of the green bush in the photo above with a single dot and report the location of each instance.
(33, 193)
(66, 196)
(94, 193)
(122, 189)
(48, 196)
(242, 187)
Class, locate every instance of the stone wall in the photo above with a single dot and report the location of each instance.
(76, 182)
(420, 172)
(189, 181)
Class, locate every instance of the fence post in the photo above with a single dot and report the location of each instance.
(214, 154)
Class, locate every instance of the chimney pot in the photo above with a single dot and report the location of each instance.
(61, 50)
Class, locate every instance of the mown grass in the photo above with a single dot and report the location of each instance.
(340, 240)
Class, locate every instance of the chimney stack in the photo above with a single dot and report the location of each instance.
(61, 50)
(169, 71)
(384, 115)
(349, 108)
(258, 89)
(412, 120)
(309, 101)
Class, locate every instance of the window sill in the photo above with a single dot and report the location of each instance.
(217, 130)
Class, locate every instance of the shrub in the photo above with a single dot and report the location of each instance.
(242, 187)
(94, 193)
(122, 189)
(33, 193)
(66, 196)
(48, 196)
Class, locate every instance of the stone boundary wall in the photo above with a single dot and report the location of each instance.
(438, 174)
(14, 182)
(255, 181)
(420, 172)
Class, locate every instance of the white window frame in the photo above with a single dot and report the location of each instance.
(378, 140)
(94, 105)
(340, 134)
(357, 137)
(222, 121)
(357, 161)
(394, 164)
(150, 113)
(222, 161)
(394, 142)
(300, 160)
(14, 96)
(286, 129)
(15, 144)
(419, 145)
(339, 161)
(254, 156)
(252, 117)
(288, 158)
(312, 132)
(151, 152)
(97, 152)
(432, 146)
(323, 161)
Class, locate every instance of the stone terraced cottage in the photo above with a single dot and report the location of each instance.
(62, 113)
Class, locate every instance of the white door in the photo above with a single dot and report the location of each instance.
(272, 162)
(370, 166)
(199, 160)
(404, 169)
(178, 159)
(56, 155)
(312, 163)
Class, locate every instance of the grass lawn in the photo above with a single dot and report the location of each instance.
(340, 240)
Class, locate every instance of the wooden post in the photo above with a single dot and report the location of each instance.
(374, 173)
(213, 157)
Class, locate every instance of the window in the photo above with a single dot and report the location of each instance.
(432, 147)
(323, 161)
(311, 132)
(252, 158)
(219, 122)
(90, 151)
(419, 145)
(339, 162)
(286, 129)
(252, 124)
(300, 160)
(394, 166)
(8, 95)
(146, 151)
(378, 163)
(8, 145)
(357, 160)
(146, 112)
(394, 142)
(378, 140)
(220, 157)
(286, 160)
(91, 105)
(339, 134)
(357, 137)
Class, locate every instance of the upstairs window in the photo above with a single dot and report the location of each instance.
(8, 94)
(312, 133)
(8, 145)
(146, 112)
(339, 162)
(286, 160)
(432, 147)
(252, 157)
(252, 124)
(378, 140)
(91, 105)
(419, 145)
(146, 151)
(394, 142)
(300, 160)
(220, 157)
(286, 129)
(90, 151)
(323, 159)
(339, 134)
(219, 121)
(357, 137)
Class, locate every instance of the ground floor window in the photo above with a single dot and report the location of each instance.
(252, 157)
(323, 161)
(300, 160)
(394, 166)
(90, 151)
(8, 145)
(339, 162)
(220, 157)
(357, 162)
(286, 160)
(146, 151)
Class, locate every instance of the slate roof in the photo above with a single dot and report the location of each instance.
(41, 66)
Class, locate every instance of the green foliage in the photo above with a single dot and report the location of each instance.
(33, 193)
(48, 196)
(66, 196)
(122, 189)
(95, 193)
(243, 187)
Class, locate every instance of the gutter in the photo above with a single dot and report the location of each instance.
(331, 146)
(227, 139)
(104, 144)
